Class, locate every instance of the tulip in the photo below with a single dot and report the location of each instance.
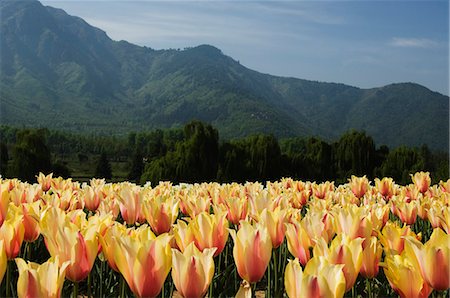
(353, 221)
(210, 230)
(252, 250)
(109, 244)
(194, 203)
(445, 186)
(31, 213)
(160, 212)
(275, 223)
(192, 270)
(320, 190)
(343, 250)
(433, 258)
(406, 211)
(237, 209)
(319, 279)
(359, 185)
(298, 242)
(445, 219)
(144, 263)
(92, 197)
(371, 257)
(183, 234)
(130, 200)
(12, 232)
(44, 280)
(392, 237)
(245, 290)
(4, 201)
(386, 187)
(422, 181)
(404, 276)
(70, 243)
(45, 181)
(3, 259)
(319, 225)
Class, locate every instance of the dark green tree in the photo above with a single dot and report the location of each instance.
(31, 155)
(4, 158)
(401, 162)
(103, 168)
(137, 166)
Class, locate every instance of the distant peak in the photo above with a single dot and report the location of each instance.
(207, 49)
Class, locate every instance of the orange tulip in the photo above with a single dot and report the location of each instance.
(371, 257)
(406, 211)
(353, 221)
(210, 230)
(298, 242)
(70, 243)
(92, 197)
(192, 270)
(144, 262)
(422, 181)
(359, 185)
(44, 280)
(252, 250)
(160, 212)
(109, 244)
(445, 186)
(404, 276)
(183, 234)
(319, 279)
(12, 232)
(433, 258)
(320, 190)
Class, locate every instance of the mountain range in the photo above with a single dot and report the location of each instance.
(58, 71)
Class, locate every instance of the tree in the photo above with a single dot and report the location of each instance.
(137, 166)
(4, 157)
(30, 155)
(103, 169)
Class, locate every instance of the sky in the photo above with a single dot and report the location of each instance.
(360, 43)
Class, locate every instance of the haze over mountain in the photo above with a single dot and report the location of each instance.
(58, 71)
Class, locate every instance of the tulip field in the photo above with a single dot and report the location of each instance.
(61, 238)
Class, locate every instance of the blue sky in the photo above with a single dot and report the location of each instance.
(359, 43)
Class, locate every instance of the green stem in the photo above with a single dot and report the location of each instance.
(101, 278)
(75, 290)
(89, 293)
(275, 267)
(163, 290)
(122, 287)
(269, 294)
(8, 278)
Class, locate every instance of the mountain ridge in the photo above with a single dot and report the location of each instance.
(63, 73)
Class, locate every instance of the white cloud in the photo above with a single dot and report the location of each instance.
(413, 42)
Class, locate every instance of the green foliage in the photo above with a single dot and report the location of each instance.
(31, 155)
(103, 169)
(137, 166)
(401, 162)
(4, 158)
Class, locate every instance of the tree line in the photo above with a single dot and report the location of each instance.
(196, 154)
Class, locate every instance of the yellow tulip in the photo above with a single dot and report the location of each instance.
(406, 211)
(130, 200)
(245, 290)
(252, 250)
(320, 190)
(160, 212)
(298, 242)
(44, 280)
(4, 201)
(346, 251)
(275, 222)
(31, 213)
(353, 221)
(404, 275)
(109, 243)
(359, 185)
(183, 234)
(3, 260)
(70, 243)
(237, 209)
(445, 186)
(385, 187)
(421, 180)
(12, 232)
(192, 270)
(144, 263)
(433, 258)
(371, 257)
(392, 237)
(45, 181)
(319, 279)
(210, 230)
